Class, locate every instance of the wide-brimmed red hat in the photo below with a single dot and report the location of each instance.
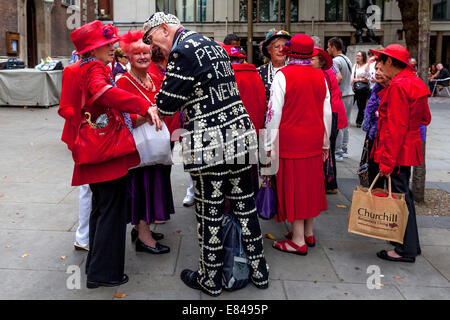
(395, 51)
(232, 51)
(93, 35)
(300, 46)
(326, 56)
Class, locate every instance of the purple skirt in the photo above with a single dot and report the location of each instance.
(149, 194)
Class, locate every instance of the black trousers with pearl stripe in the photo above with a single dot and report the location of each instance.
(211, 186)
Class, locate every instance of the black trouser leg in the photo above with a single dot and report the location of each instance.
(361, 100)
(107, 228)
(332, 184)
(400, 184)
(240, 193)
(374, 168)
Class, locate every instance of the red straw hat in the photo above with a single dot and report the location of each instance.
(93, 35)
(232, 51)
(300, 46)
(326, 56)
(396, 51)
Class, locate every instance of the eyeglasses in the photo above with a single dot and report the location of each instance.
(149, 38)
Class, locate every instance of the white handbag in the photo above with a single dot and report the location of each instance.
(153, 146)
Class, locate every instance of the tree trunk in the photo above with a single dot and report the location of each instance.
(409, 10)
(424, 11)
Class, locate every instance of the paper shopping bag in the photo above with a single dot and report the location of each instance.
(378, 213)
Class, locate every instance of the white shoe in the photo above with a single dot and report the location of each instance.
(188, 201)
(79, 246)
(339, 158)
(345, 155)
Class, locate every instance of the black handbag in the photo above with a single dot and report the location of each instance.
(359, 85)
(363, 170)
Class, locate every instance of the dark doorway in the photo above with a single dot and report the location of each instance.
(31, 34)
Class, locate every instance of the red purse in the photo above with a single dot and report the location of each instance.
(96, 145)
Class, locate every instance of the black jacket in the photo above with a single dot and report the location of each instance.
(200, 82)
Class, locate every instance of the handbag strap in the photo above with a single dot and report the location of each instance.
(389, 185)
(145, 96)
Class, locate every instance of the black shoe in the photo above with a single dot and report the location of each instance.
(96, 284)
(159, 249)
(156, 235)
(189, 278)
(384, 255)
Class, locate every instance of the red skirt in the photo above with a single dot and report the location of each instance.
(300, 189)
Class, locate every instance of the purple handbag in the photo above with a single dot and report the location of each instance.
(266, 201)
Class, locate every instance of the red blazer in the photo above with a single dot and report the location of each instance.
(301, 128)
(70, 103)
(403, 108)
(337, 105)
(95, 77)
(253, 93)
(173, 122)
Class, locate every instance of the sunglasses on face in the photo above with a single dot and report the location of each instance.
(149, 39)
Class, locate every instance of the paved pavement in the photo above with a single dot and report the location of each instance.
(38, 219)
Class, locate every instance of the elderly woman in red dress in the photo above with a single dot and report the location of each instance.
(107, 180)
(299, 116)
(149, 188)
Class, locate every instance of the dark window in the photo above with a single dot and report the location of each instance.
(334, 10)
(269, 10)
(441, 10)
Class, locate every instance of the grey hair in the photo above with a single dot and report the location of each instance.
(316, 40)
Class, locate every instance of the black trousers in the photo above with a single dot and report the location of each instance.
(400, 184)
(361, 101)
(107, 229)
(210, 187)
(332, 184)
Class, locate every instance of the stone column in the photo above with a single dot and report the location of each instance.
(44, 28)
(439, 42)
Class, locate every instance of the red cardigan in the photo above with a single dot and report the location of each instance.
(301, 128)
(403, 108)
(253, 93)
(95, 77)
(337, 105)
(70, 103)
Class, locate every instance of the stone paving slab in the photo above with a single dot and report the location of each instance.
(44, 249)
(250, 292)
(47, 285)
(26, 216)
(424, 293)
(302, 290)
(439, 257)
(34, 192)
(351, 260)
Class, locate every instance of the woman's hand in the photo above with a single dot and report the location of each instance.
(384, 174)
(325, 154)
(154, 118)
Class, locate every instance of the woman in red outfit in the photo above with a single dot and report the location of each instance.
(299, 116)
(398, 145)
(324, 61)
(107, 225)
(149, 188)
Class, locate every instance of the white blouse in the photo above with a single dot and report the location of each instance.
(276, 104)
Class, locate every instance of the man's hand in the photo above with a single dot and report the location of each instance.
(153, 115)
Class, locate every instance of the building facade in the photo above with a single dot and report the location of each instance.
(43, 27)
(323, 18)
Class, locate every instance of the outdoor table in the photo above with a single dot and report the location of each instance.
(30, 87)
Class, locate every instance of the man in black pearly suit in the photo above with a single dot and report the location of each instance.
(219, 145)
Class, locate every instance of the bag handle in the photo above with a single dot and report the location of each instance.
(389, 185)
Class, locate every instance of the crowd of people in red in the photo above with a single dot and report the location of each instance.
(295, 98)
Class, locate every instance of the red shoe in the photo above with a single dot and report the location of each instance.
(281, 246)
(310, 241)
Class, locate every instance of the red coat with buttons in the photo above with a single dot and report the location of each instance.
(94, 78)
(403, 108)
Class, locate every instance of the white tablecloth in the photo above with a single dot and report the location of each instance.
(30, 87)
